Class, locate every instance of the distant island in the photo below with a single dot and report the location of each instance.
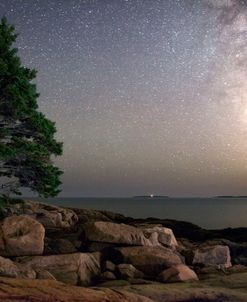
(231, 196)
(151, 196)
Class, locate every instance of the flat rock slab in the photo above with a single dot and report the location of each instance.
(149, 260)
(109, 232)
(74, 269)
(16, 290)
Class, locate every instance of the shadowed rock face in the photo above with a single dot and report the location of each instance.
(58, 246)
(128, 271)
(238, 253)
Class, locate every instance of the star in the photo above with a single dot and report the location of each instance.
(145, 94)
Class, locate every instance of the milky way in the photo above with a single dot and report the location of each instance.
(148, 96)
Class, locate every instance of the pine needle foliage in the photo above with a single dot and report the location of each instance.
(27, 141)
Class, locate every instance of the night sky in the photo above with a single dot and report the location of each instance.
(149, 96)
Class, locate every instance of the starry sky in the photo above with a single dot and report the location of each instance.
(149, 96)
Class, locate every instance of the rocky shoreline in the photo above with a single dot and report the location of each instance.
(50, 253)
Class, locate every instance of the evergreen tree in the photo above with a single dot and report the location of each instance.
(26, 136)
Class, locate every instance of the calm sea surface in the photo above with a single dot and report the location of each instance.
(210, 213)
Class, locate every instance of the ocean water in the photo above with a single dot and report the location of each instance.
(209, 213)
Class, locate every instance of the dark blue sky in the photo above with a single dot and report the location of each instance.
(148, 96)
